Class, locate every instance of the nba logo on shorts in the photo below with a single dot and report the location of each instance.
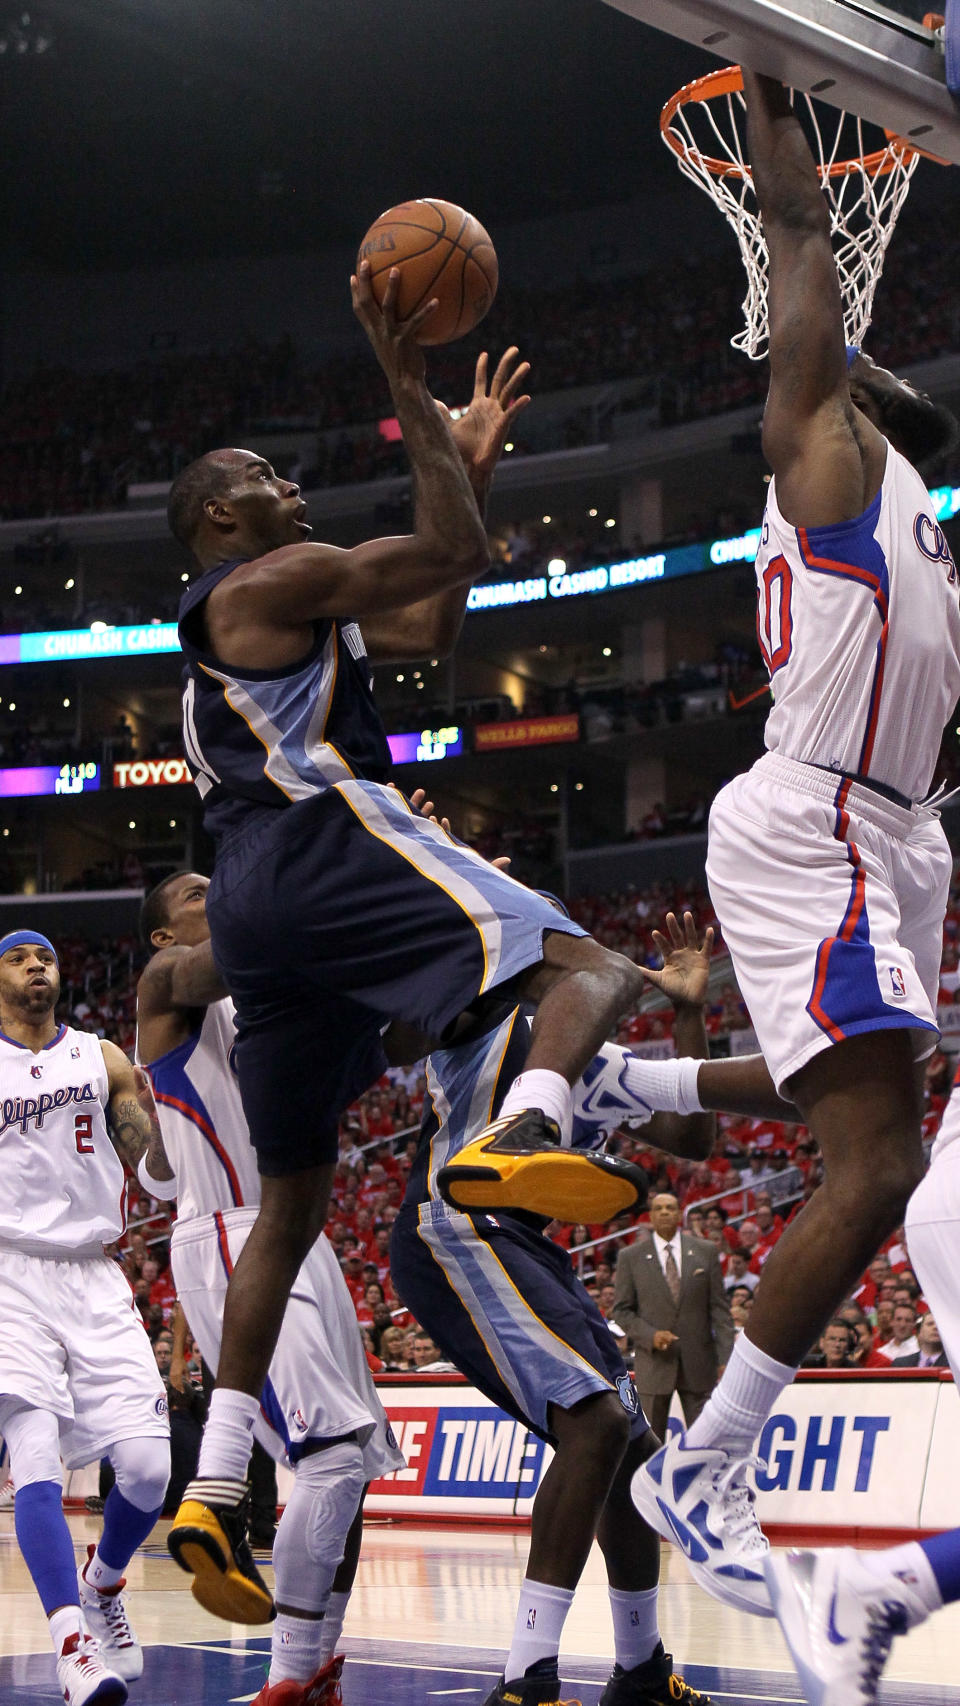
(897, 981)
(300, 1421)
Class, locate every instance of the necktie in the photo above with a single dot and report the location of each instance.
(671, 1274)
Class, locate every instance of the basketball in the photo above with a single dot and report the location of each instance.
(441, 251)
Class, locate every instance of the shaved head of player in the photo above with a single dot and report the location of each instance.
(231, 503)
(912, 422)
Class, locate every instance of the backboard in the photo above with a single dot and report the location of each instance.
(875, 60)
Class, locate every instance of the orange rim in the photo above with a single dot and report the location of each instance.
(728, 81)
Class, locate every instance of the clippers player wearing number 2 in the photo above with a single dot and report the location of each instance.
(78, 1380)
(828, 868)
(319, 1410)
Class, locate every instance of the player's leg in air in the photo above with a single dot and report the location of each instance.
(97, 1651)
(840, 1610)
(503, 1303)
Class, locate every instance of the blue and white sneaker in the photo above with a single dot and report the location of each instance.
(839, 1620)
(699, 1498)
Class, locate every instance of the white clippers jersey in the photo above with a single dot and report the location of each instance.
(859, 626)
(950, 1123)
(61, 1180)
(201, 1117)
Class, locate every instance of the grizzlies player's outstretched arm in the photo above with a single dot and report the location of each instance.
(431, 628)
(827, 458)
(134, 1134)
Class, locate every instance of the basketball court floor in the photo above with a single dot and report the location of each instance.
(429, 1622)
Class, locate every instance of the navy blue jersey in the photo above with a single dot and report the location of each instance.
(258, 738)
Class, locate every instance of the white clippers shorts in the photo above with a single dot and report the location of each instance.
(71, 1342)
(831, 900)
(319, 1385)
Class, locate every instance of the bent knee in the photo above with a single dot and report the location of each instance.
(598, 1424)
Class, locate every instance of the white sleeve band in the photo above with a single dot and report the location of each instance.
(163, 1189)
(669, 1086)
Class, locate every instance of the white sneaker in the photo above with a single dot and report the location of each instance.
(7, 1495)
(105, 1615)
(84, 1678)
(699, 1498)
(839, 1621)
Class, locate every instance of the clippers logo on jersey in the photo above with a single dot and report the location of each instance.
(24, 1111)
(36, 1072)
(932, 541)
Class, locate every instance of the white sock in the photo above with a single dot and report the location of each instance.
(228, 1436)
(295, 1648)
(64, 1623)
(912, 1566)
(635, 1629)
(332, 1626)
(97, 1574)
(541, 1614)
(667, 1086)
(548, 1091)
(739, 1406)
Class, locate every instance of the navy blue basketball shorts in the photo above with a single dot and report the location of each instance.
(504, 1305)
(334, 916)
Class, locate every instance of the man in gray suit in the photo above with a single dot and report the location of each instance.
(671, 1304)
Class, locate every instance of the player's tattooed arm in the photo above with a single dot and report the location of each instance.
(134, 1131)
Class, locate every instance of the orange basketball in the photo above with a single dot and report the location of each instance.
(441, 251)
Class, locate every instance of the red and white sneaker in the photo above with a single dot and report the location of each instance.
(105, 1615)
(84, 1678)
(322, 1689)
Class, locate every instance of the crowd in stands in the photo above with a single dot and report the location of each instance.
(758, 1178)
(72, 441)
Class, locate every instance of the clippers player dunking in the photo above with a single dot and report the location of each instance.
(333, 908)
(78, 1380)
(828, 870)
(319, 1410)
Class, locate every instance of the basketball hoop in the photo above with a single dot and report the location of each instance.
(704, 125)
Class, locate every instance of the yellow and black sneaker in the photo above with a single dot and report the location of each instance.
(517, 1163)
(654, 1683)
(208, 1539)
(538, 1686)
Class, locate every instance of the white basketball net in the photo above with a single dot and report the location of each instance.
(865, 192)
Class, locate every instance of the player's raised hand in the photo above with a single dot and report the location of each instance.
(686, 962)
(394, 340)
(483, 429)
(427, 809)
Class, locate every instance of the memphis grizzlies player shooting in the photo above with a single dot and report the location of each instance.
(504, 1304)
(319, 1410)
(78, 1380)
(827, 863)
(333, 908)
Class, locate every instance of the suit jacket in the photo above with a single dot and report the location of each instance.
(701, 1316)
(914, 1361)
